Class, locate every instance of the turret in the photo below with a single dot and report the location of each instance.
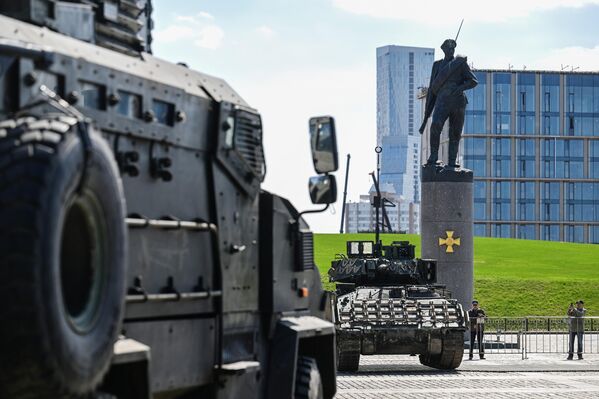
(121, 25)
(363, 265)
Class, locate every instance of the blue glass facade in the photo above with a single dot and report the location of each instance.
(475, 121)
(532, 139)
(401, 71)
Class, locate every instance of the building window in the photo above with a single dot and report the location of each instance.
(526, 231)
(581, 202)
(526, 158)
(475, 155)
(502, 200)
(480, 200)
(594, 159)
(569, 159)
(550, 201)
(501, 157)
(550, 232)
(593, 234)
(502, 102)
(476, 110)
(574, 233)
(501, 230)
(525, 103)
(548, 158)
(582, 98)
(480, 230)
(525, 201)
(550, 95)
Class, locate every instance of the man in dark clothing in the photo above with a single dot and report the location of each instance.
(576, 319)
(449, 78)
(477, 328)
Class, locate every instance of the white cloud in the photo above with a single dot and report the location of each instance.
(210, 37)
(174, 33)
(265, 31)
(205, 15)
(186, 18)
(582, 58)
(587, 59)
(193, 29)
(446, 13)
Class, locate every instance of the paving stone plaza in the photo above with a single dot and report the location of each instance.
(499, 376)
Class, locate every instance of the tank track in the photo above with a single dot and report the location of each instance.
(451, 354)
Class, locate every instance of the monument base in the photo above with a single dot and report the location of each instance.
(447, 228)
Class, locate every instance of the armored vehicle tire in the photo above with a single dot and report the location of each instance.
(348, 360)
(62, 258)
(308, 383)
(451, 354)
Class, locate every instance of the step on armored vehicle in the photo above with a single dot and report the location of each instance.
(139, 257)
(387, 302)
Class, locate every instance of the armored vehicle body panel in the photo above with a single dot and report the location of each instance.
(131, 206)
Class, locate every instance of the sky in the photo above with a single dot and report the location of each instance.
(294, 59)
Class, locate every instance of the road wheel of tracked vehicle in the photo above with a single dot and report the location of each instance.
(62, 257)
(451, 354)
(348, 360)
(308, 384)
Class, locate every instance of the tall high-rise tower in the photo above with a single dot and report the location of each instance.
(400, 72)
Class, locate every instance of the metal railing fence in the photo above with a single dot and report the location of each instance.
(537, 334)
(552, 334)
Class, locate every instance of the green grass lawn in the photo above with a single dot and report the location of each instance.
(511, 277)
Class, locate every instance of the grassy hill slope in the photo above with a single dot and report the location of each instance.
(511, 277)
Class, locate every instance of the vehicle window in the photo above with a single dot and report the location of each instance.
(129, 104)
(164, 112)
(94, 95)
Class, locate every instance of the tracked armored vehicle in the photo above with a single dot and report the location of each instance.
(139, 257)
(387, 302)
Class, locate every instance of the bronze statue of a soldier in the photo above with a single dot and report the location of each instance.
(450, 77)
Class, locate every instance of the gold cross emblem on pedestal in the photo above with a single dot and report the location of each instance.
(449, 241)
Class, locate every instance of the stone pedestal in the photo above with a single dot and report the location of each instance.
(447, 229)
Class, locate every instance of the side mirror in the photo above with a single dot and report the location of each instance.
(323, 189)
(323, 142)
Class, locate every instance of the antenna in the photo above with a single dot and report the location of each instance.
(344, 193)
(459, 29)
(565, 66)
(575, 68)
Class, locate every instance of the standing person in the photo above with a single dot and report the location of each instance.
(477, 328)
(576, 315)
(450, 77)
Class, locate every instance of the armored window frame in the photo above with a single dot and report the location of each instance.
(164, 112)
(125, 95)
(88, 100)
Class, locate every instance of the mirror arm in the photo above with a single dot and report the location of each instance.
(312, 211)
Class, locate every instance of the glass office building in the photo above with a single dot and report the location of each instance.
(532, 140)
(401, 71)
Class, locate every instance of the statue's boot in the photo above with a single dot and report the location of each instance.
(432, 159)
(452, 155)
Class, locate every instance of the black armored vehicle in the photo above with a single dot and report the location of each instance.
(139, 256)
(387, 302)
